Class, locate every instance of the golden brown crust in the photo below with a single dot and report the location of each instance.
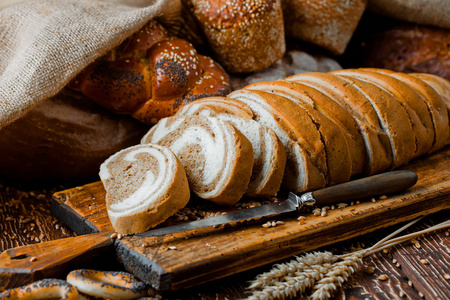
(150, 75)
(326, 23)
(339, 161)
(245, 35)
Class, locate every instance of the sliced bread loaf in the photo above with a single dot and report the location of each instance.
(217, 158)
(145, 184)
(377, 143)
(412, 101)
(436, 106)
(269, 153)
(393, 118)
(301, 173)
(339, 165)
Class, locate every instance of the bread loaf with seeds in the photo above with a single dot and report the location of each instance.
(269, 152)
(244, 35)
(145, 185)
(218, 159)
(150, 75)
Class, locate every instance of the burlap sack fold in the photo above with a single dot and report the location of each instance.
(45, 43)
(426, 12)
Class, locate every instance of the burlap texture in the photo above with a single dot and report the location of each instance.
(426, 12)
(45, 43)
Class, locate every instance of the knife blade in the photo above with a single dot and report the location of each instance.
(385, 183)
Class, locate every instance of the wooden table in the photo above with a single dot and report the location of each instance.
(413, 272)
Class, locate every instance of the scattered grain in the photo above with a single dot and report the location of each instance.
(342, 205)
(423, 262)
(9, 219)
(420, 294)
(119, 236)
(57, 226)
(323, 214)
(384, 197)
(446, 276)
(369, 270)
(394, 261)
(279, 222)
(373, 200)
(34, 258)
(402, 294)
(172, 247)
(383, 277)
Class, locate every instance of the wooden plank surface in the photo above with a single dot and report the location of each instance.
(182, 260)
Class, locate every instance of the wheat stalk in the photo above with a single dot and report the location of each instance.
(322, 272)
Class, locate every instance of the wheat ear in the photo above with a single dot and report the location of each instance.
(322, 272)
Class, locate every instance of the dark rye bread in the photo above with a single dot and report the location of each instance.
(436, 106)
(393, 118)
(217, 158)
(300, 173)
(145, 185)
(377, 143)
(269, 152)
(410, 99)
(337, 153)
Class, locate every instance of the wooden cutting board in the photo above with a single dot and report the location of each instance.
(182, 260)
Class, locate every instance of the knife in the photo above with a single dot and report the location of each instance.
(372, 186)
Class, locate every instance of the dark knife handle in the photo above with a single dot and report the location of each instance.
(372, 186)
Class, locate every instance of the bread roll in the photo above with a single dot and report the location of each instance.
(269, 153)
(145, 185)
(245, 36)
(64, 138)
(217, 158)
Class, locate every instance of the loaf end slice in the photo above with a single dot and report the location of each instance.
(145, 185)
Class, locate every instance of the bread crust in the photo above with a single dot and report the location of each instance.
(436, 106)
(245, 35)
(301, 174)
(165, 192)
(393, 118)
(411, 100)
(376, 141)
(326, 23)
(339, 161)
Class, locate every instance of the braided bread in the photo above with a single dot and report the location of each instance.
(150, 75)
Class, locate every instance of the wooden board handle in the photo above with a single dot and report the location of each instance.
(25, 264)
(376, 185)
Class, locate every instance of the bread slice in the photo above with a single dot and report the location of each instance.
(436, 106)
(377, 143)
(300, 173)
(269, 152)
(339, 164)
(393, 118)
(145, 184)
(217, 158)
(413, 103)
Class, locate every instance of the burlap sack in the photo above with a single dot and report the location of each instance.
(45, 43)
(426, 12)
